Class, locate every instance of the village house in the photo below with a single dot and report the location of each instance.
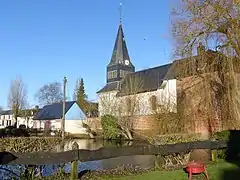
(25, 118)
(49, 117)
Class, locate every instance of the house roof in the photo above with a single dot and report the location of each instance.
(144, 81)
(53, 111)
(113, 86)
(6, 112)
(152, 78)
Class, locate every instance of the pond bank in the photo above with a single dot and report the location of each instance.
(217, 171)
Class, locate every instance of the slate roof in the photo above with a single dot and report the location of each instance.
(144, 81)
(113, 86)
(152, 78)
(53, 111)
(120, 51)
(6, 112)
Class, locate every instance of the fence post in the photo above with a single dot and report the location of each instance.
(74, 170)
(159, 161)
(214, 155)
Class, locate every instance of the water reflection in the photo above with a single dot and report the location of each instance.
(91, 144)
(138, 160)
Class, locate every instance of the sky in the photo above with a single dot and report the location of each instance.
(43, 41)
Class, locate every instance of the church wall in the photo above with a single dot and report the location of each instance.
(166, 99)
(140, 103)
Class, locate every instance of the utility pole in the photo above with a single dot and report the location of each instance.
(64, 107)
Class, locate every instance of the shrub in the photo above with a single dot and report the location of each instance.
(47, 132)
(8, 132)
(109, 126)
(177, 138)
(2, 133)
(22, 126)
(29, 144)
(222, 135)
(20, 132)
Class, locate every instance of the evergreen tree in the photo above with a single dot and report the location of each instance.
(80, 95)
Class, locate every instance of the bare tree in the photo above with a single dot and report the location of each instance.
(124, 105)
(17, 97)
(216, 25)
(196, 20)
(50, 93)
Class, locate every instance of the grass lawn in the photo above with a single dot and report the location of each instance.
(217, 171)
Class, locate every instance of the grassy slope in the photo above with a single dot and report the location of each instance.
(215, 171)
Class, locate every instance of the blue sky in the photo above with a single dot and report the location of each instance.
(43, 41)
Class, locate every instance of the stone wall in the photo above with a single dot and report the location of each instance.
(202, 108)
(139, 123)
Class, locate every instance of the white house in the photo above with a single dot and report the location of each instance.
(7, 119)
(50, 117)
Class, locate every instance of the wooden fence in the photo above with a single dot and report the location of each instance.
(44, 158)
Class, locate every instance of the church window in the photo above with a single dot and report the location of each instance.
(153, 102)
(123, 73)
(112, 74)
(128, 104)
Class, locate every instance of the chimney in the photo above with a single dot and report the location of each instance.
(200, 49)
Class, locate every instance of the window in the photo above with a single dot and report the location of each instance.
(112, 74)
(153, 102)
(123, 73)
(129, 104)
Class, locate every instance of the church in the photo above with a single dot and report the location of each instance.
(129, 92)
(178, 87)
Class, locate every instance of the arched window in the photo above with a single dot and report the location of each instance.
(128, 104)
(153, 102)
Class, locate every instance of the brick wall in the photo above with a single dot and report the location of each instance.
(200, 105)
(139, 122)
(143, 122)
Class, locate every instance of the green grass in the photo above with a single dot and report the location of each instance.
(216, 171)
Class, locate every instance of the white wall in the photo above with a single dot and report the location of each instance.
(167, 96)
(107, 103)
(75, 127)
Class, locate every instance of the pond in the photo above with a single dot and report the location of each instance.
(91, 144)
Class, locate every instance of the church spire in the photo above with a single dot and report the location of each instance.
(120, 63)
(120, 51)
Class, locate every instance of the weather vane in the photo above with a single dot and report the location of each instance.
(120, 11)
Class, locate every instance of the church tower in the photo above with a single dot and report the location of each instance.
(120, 63)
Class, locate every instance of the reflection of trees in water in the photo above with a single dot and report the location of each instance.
(93, 144)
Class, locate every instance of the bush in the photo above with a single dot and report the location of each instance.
(20, 133)
(47, 132)
(2, 133)
(29, 144)
(109, 126)
(22, 126)
(222, 135)
(177, 138)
